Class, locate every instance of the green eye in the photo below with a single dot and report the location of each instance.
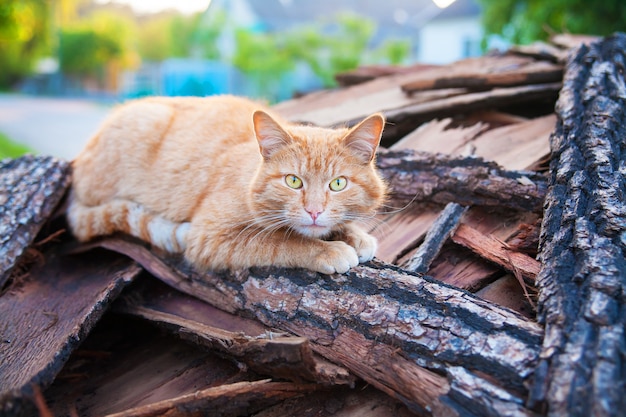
(338, 184)
(293, 182)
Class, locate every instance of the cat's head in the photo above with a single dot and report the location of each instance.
(313, 180)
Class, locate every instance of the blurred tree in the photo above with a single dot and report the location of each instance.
(99, 43)
(174, 35)
(332, 46)
(524, 21)
(264, 58)
(394, 51)
(24, 37)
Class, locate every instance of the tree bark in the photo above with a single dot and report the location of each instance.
(432, 346)
(582, 282)
(420, 176)
(30, 189)
(45, 318)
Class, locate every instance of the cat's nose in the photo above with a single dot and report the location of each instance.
(314, 214)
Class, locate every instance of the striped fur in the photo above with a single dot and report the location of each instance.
(207, 177)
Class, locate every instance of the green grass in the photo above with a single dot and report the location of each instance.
(10, 149)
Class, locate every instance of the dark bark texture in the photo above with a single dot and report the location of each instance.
(422, 176)
(438, 349)
(30, 189)
(583, 279)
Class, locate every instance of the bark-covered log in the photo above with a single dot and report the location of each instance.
(445, 224)
(582, 282)
(430, 345)
(30, 189)
(420, 176)
(266, 352)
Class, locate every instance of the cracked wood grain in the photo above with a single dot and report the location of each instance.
(583, 239)
(400, 332)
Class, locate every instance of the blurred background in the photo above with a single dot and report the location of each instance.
(63, 63)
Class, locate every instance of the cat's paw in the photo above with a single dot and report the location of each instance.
(366, 247)
(364, 244)
(336, 256)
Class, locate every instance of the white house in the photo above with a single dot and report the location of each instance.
(439, 35)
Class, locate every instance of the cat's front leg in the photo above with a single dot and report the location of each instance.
(232, 249)
(363, 243)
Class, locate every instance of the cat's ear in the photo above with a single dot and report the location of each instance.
(270, 135)
(363, 139)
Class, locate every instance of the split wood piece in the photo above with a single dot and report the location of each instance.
(262, 350)
(48, 315)
(516, 146)
(497, 252)
(542, 51)
(370, 72)
(437, 136)
(400, 232)
(398, 331)
(445, 225)
(30, 189)
(419, 176)
(402, 120)
(583, 279)
(240, 398)
(126, 363)
(507, 292)
(363, 401)
(485, 73)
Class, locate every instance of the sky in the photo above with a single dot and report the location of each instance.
(150, 6)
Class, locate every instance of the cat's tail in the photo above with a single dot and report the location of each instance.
(87, 222)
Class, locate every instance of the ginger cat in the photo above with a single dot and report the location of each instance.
(230, 184)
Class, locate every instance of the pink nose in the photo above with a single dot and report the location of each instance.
(314, 214)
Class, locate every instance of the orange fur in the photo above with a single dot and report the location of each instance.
(207, 177)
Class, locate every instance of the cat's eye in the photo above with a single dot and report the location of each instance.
(338, 184)
(293, 182)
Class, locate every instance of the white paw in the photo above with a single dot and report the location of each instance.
(366, 247)
(337, 257)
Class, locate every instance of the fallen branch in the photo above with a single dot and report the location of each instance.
(419, 176)
(420, 341)
(30, 189)
(268, 353)
(583, 279)
(444, 226)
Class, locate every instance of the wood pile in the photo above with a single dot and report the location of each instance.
(498, 288)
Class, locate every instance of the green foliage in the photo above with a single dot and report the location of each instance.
(24, 37)
(264, 58)
(524, 21)
(10, 149)
(332, 46)
(87, 47)
(394, 51)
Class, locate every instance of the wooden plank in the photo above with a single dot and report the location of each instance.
(402, 231)
(240, 398)
(488, 72)
(507, 292)
(437, 136)
(46, 316)
(370, 72)
(497, 252)
(125, 363)
(30, 189)
(516, 146)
